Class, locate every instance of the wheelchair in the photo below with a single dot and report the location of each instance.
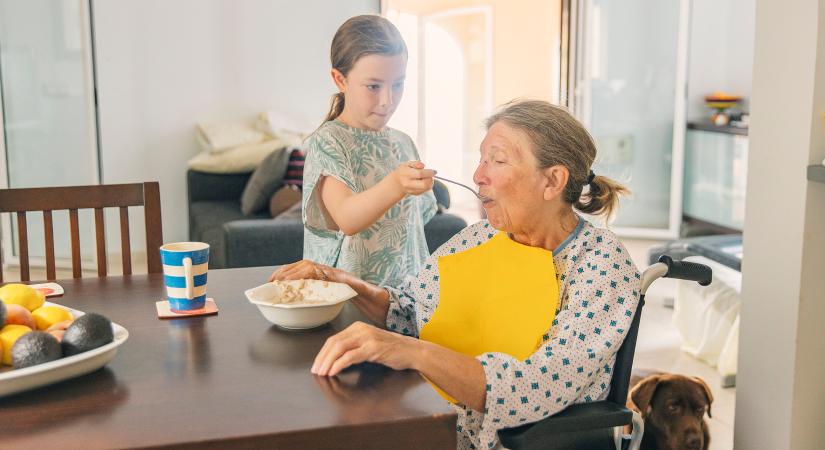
(600, 424)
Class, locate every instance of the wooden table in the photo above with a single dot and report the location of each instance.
(231, 380)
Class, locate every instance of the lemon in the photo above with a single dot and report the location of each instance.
(22, 295)
(46, 316)
(8, 336)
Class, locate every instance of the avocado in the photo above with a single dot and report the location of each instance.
(2, 314)
(34, 348)
(87, 332)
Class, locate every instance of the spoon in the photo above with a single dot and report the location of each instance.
(478, 196)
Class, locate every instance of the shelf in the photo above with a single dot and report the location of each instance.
(816, 173)
(707, 126)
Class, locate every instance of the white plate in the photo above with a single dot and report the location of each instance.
(326, 299)
(48, 289)
(18, 380)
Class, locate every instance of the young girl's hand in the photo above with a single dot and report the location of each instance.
(412, 178)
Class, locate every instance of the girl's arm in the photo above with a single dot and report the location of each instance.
(353, 213)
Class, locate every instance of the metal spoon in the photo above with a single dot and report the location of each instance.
(478, 196)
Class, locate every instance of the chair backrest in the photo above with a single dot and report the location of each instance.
(620, 380)
(95, 197)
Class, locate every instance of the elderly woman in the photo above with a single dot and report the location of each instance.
(520, 315)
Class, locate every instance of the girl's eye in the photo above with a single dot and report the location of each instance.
(398, 86)
(372, 87)
(500, 162)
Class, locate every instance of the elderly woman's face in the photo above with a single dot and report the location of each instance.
(508, 176)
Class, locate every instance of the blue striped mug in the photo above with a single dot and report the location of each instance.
(184, 274)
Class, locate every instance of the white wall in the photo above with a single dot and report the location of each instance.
(780, 389)
(721, 51)
(163, 66)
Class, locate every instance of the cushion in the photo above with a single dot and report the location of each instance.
(242, 159)
(218, 137)
(280, 125)
(292, 214)
(295, 169)
(282, 199)
(266, 179)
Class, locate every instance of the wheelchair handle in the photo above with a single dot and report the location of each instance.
(685, 270)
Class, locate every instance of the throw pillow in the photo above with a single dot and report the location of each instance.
(282, 199)
(292, 214)
(295, 169)
(217, 137)
(242, 159)
(264, 181)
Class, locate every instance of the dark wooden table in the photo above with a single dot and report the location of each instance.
(231, 380)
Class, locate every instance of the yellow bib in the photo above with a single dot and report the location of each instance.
(498, 297)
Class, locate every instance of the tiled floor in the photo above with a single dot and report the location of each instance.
(657, 347)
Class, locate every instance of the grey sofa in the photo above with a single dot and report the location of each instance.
(245, 241)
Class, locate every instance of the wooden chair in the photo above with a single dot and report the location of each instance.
(96, 197)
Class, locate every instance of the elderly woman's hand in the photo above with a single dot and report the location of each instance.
(361, 342)
(372, 300)
(304, 270)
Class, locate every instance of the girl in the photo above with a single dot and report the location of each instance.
(366, 196)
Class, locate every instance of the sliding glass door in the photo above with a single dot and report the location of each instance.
(631, 74)
(48, 109)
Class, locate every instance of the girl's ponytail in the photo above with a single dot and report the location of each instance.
(336, 106)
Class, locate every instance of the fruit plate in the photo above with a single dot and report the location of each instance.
(18, 380)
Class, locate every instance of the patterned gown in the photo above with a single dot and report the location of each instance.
(599, 291)
(392, 248)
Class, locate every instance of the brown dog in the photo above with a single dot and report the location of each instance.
(673, 408)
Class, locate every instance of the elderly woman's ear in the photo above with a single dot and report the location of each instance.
(555, 180)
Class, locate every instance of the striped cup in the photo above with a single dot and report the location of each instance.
(184, 273)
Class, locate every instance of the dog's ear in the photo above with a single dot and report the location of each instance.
(706, 388)
(642, 394)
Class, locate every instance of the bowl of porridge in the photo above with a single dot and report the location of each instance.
(300, 304)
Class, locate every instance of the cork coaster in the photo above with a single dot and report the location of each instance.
(165, 312)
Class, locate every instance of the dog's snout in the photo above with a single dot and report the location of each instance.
(693, 442)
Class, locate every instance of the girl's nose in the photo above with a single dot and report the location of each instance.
(385, 99)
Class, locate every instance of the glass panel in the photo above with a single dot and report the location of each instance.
(456, 98)
(466, 58)
(630, 56)
(715, 176)
(48, 105)
(448, 92)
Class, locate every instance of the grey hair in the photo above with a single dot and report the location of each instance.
(558, 139)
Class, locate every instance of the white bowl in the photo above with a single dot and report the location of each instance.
(322, 302)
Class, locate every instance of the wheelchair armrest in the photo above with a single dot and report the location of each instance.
(580, 417)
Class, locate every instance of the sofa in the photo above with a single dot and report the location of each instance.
(237, 240)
